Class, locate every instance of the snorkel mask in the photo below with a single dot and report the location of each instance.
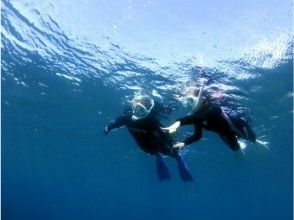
(189, 101)
(141, 111)
(192, 101)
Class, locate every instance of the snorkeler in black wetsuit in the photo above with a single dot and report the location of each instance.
(141, 120)
(209, 116)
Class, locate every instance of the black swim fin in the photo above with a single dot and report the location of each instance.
(183, 169)
(162, 170)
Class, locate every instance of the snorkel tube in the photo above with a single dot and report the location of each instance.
(198, 102)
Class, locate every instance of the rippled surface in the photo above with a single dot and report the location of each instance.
(67, 68)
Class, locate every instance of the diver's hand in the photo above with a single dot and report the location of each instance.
(173, 128)
(178, 146)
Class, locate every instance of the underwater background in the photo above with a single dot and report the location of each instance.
(69, 67)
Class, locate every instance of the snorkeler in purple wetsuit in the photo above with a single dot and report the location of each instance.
(211, 117)
(142, 121)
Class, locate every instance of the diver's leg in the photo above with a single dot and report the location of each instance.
(233, 144)
(250, 132)
(245, 131)
(231, 141)
(236, 125)
(183, 169)
(162, 171)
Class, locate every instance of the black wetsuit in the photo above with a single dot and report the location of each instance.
(146, 132)
(211, 117)
(152, 140)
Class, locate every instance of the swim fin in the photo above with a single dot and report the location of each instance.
(263, 144)
(183, 169)
(162, 170)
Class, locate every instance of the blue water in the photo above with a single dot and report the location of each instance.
(68, 68)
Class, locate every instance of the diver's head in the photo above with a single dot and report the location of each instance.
(192, 91)
(189, 101)
(191, 97)
(141, 107)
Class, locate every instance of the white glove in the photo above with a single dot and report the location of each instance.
(178, 146)
(173, 128)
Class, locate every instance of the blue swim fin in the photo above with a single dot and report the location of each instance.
(183, 169)
(162, 170)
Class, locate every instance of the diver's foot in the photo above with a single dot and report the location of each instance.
(183, 170)
(162, 170)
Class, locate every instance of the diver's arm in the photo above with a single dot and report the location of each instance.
(187, 120)
(190, 119)
(119, 122)
(195, 137)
